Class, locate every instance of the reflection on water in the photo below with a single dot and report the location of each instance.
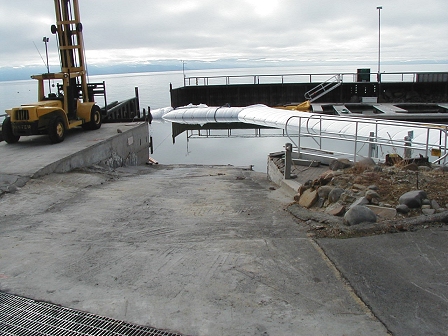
(238, 144)
(220, 130)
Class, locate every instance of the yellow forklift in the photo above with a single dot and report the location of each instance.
(72, 104)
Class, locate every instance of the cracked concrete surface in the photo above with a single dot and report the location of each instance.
(403, 277)
(194, 249)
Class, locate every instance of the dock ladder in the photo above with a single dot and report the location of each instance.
(323, 88)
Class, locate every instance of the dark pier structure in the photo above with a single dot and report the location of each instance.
(278, 90)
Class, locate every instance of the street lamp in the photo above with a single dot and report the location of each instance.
(379, 42)
(45, 40)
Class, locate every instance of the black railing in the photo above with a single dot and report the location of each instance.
(317, 78)
(127, 110)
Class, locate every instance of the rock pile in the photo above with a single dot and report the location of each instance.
(342, 191)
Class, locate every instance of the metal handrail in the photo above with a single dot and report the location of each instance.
(323, 88)
(356, 143)
(348, 77)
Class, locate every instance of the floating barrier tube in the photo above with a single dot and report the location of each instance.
(426, 136)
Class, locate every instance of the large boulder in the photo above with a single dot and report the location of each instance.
(324, 178)
(335, 194)
(308, 198)
(371, 194)
(335, 209)
(383, 212)
(360, 201)
(435, 205)
(324, 191)
(359, 214)
(366, 162)
(403, 209)
(428, 212)
(340, 164)
(413, 199)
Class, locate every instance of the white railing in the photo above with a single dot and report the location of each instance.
(365, 137)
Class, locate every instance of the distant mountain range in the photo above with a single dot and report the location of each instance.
(23, 73)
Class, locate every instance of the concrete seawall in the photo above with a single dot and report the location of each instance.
(113, 145)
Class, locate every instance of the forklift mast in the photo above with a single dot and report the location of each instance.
(74, 103)
(71, 51)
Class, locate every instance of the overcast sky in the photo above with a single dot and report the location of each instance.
(145, 30)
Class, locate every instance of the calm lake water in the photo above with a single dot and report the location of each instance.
(241, 149)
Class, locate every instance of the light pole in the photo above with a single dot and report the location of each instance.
(45, 40)
(379, 42)
(183, 69)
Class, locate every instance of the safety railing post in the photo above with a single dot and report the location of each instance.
(446, 144)
(299, 137)
(320, 133)
(376, 139)
(356, 141)
(288, 161)
(408, 144)
(427, 143)
(373, 150)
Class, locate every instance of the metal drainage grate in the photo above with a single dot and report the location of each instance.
(22, 316)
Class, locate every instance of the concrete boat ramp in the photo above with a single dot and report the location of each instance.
(192, 250)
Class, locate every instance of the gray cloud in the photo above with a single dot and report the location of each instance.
(144, 30)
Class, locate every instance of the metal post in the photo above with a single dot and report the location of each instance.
(320, 132)
(45, 40)
(373, 150)
(183, 71)
(356, 142)
(379, 43)
(408, 143)
(137, 102)
(299, 145)
(288, 160)
(445, 132)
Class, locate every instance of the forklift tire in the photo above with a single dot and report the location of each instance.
(7, 133)
(95, 119)
(56, 130)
